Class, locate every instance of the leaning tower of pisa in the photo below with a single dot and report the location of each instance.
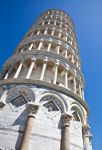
(42, 104)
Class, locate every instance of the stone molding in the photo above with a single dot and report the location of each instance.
(48, 85)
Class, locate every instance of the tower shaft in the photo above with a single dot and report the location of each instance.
(42, 83)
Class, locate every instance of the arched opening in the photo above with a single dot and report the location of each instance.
(52, 103)
(14, 69)
(24, 69)
(19, 96)
(36, 72)
(61, 76)
(76, 124)
(48, 119)
(70, 81)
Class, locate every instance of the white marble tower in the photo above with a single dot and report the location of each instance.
(42, 104)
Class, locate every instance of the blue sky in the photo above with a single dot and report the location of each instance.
(17, 16)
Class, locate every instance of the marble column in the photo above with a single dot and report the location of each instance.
(58, 49)
(49, 47)
(22, 50)
(43, 69)
(52, 33)
(18, 70)
(48, 22)
(43, 23)
(74, 78)
(31, 46)
(59, 35)
(6, 76)
(66, 78)
(65, 136)
(32, 110)
(55, 75)
(38, 32)
(66, 53)
(86, 137)
(66, 39)
(31, 68)
(72, 58)
(8, 73)
(40, 45)
(55, 22)
(45, 32)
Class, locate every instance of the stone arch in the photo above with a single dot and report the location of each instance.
(20, 95)
(79, 110)
(59, 99)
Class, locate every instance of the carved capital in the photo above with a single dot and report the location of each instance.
(86, 130)
(32, 108)
(66, 119)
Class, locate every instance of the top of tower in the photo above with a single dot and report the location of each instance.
(58, 11)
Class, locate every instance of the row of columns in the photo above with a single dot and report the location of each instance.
(60, 25)
(65, 136)
(60, 22)
(66, 85)
(61, 14)
(65, 37)
(58, 12)
(70, 56)
(55, 17)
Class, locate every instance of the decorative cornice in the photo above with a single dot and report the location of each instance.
(48, 85)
